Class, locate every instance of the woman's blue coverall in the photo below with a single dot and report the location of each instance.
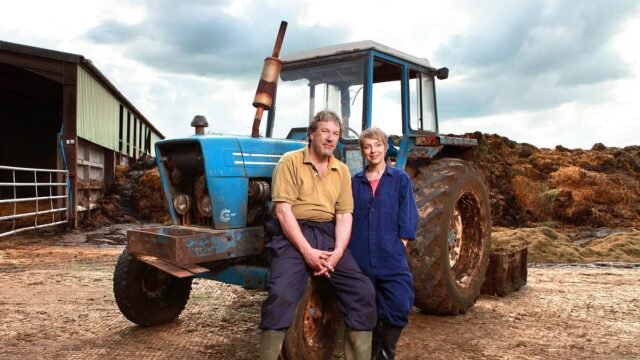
(378, 224)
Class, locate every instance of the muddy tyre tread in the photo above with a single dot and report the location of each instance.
(132, 302)
(437, 188)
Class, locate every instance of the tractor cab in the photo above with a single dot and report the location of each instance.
(367, 84)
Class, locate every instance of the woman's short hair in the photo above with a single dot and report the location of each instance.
(376, 134)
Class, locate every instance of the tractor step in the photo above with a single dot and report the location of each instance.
(183, 271)
(507, 272)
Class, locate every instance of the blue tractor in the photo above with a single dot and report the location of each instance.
(218, 192)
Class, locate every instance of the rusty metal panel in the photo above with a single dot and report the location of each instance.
(429, 140)
(183, 245)
(195, 268)
(165, 266)
(424, 152)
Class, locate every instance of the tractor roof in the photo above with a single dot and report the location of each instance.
(351, 48)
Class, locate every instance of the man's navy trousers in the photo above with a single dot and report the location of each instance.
(354, 293)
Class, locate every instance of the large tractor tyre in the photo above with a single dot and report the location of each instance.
(451, 252)
(314, 333)
(146, 295)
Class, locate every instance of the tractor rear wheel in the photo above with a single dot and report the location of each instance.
(146, 295)
(451, 252)
(314, 333)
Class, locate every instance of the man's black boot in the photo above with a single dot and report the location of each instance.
(388, 340)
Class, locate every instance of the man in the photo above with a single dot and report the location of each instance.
(311, 192)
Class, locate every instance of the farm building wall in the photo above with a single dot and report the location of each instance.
(40, 90)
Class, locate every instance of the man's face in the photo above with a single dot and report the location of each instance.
(324, 140)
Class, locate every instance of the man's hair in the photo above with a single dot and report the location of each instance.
(324, 115)
(376, 134)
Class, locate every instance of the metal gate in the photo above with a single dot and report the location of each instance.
(32, 199)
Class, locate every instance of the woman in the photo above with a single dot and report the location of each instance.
(384, 220)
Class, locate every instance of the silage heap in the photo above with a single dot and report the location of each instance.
(135, 196)
(568, 205)
(547, 245)
(597, 187)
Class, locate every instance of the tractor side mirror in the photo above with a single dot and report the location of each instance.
(442, 73)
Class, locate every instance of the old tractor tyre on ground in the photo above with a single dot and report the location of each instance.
(146, 295)
(313, 335)
(449, 258)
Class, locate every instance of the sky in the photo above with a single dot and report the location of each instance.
(540, 72)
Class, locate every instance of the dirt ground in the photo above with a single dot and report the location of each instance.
(56, 302)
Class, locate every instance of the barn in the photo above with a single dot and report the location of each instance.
(65, 127)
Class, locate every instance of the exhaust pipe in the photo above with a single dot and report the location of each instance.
(268, 82)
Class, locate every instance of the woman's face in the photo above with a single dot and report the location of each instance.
(373, 151)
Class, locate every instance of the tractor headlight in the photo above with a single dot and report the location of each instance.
(182, 203)
(204, 205)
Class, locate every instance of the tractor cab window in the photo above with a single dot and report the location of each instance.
(422, 108)
(304, 90)
(386, 95)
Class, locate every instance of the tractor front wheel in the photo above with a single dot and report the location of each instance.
(146, 295)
